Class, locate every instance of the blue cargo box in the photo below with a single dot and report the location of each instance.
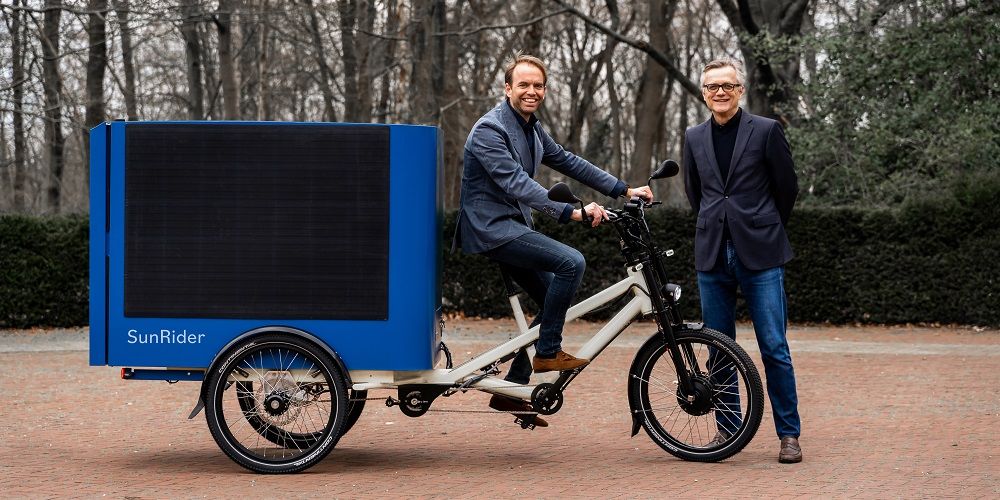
(203, 231)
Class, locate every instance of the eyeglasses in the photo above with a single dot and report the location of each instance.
(714, 87)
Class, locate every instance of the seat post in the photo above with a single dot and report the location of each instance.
(515, 303)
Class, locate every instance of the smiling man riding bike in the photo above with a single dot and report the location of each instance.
(502, 154)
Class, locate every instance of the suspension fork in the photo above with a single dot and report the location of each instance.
(666, 319)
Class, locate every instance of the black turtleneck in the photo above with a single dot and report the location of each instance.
(724, 140)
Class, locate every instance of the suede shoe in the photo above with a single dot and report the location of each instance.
(503, 403)
(791, 452)
(561, 362)
(720, 438)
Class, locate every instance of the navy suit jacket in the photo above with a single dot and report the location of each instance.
(756, 199)
(498, 189)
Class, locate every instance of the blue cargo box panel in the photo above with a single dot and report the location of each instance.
(202, 231)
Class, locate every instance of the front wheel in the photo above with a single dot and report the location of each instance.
(277, 404)
(716, 417)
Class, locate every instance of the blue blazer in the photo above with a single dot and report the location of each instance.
(498, 186)
(756, 198)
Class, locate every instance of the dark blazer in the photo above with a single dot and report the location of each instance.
(498, 189)
(756, 199)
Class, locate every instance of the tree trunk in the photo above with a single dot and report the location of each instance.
(250, 36)
(17, 54)
(366, 52)
(53, 107)
(533, 34)
(193, 56)
(131, 107)
(97, 63)
(227, 70)
(325, 74)
(388, 61)
(424, 23)
(650, 103)
(771, 79)
(264, 111)
(348, 41)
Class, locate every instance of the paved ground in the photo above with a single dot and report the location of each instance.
(887, 412)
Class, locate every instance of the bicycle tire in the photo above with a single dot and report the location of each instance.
(682, 427)
(306, 400)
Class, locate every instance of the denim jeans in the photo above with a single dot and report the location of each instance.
(764, 292)
(550, 273)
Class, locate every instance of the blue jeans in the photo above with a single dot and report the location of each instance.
(550, 272)
(764, 292)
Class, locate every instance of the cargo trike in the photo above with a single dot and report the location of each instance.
(293, 269)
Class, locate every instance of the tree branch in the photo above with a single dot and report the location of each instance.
(644, 46)
(502, 26)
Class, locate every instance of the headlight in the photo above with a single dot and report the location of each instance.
(672, 290)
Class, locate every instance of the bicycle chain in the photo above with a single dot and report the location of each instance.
(518, 412)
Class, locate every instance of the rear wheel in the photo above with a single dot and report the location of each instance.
(713, 420)
(277, 404)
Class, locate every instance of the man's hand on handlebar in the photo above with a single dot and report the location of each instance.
(642, 192)
(595, 213)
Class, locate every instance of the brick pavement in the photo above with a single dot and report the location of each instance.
(887, 412)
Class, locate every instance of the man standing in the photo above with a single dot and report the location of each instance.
(504, 150)
(740, 181)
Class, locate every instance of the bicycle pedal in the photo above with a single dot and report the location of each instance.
(524, 423)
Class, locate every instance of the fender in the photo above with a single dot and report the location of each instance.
(256, 332)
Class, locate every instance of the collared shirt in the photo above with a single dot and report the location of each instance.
(528, 126)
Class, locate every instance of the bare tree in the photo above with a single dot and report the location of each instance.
(128, 65)
(319, 53)
(190, 10)
(388, 60)
(650, 103)
(227, 70)
(18, 79)
(426, 19)
(348, 41)
(97, 63)
(52, 82)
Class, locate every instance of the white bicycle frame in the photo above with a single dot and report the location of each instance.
(639, 305)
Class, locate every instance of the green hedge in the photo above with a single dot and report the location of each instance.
(43, 271)
(937, 261)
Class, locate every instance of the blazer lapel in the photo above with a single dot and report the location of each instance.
(742, 137)
(538, 150)
(516, 134)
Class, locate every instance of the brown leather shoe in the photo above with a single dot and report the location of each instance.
(561, 362)
(791, 452)
(503, 403)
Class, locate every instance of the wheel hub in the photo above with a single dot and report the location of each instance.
(276, 404)
(699, 402)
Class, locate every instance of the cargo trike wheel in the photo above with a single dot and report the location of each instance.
(276, 404)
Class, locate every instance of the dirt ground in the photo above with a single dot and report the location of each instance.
(896, 412)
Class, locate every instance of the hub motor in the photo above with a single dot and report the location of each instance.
(700, 401)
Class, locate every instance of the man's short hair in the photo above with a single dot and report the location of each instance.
(508, 76)
(722, 63)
